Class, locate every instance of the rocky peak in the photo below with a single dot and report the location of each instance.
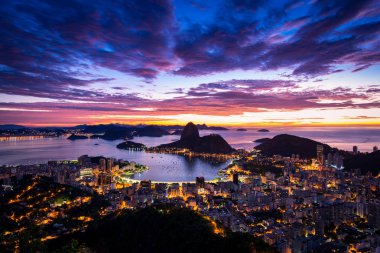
(190, 132)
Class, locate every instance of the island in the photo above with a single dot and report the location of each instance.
(261, 140)
(130, 145)
(241, 129)
(191, 140)
(263, 130)
(74, 137)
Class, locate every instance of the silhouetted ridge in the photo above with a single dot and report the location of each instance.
(365, 162)
(287, 145)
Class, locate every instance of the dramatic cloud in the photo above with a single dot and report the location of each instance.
(86, 59)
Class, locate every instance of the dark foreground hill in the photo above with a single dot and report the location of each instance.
(365, 162)
(160, 230)
(190, 139)
(286, 145)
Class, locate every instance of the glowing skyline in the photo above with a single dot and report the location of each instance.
(251, 63)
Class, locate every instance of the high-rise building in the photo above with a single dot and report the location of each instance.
(355, 149)
(329, 159)
(235, 178)
(338, 160)
(374, 214)
(320, 157)
(84, 160)
(109, 164)
(200, 181)
(102, 164)
(147, 184)
(375, 148)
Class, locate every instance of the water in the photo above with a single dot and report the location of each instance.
(341, 138)
(166, 167)
(163, 167)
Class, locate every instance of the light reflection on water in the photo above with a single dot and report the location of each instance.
(165, 167)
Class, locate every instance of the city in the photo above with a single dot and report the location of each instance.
(190, 126)
(297, 206)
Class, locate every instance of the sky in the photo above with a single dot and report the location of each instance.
(231, 63)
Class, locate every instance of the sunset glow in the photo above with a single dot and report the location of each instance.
(170, 62)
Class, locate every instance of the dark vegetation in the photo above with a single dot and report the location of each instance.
(160, 229)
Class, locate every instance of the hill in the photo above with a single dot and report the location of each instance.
(286, 145)
(11, 127)
(162, 229)
(74, 137)
(131, 145)
(39, 208)
(261, 140)
(365, 162)
(190, 139)
(115, 132)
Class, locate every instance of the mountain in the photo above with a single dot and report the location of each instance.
(190, 139)
(200, 127)
(150, 131)
(369, 162)
(190, 132)
(286, 145)
(11, 127)
(97, 129)
(115, 132)
(263, 130)
(157, 229)
(205, 127)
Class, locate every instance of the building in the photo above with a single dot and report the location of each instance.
(109, 164)
(374, 214)
(84, 160)
(85, 172)
(320, 157)
(200, 181)
(355, 150)
(102, 164)
(375, 148)
(329, 159)
(235, 178)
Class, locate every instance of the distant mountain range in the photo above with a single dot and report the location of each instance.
(191, 140)
(11, 127)
(101, 128)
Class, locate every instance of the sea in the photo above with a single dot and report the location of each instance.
(175, 168)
